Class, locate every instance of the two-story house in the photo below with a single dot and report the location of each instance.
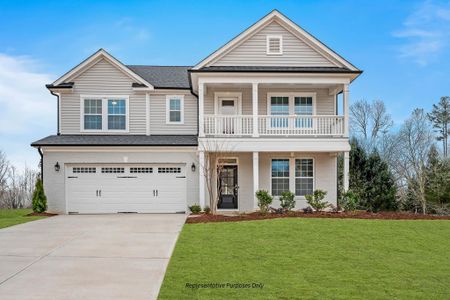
(135, 138)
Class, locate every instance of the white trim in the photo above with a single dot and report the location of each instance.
(287, 24)
(96, 57)
(105, 99)
(236, 95)
(228, 157)
(264, 78)
(147, 113)
(112, 149)
(274, 36)
(174, 97)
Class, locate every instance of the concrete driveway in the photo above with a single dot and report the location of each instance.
(87, 256)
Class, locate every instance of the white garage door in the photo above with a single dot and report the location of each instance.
(156, 188)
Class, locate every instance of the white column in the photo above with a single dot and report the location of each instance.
(201, 101)
(255, 177)
(201, 178)
(255, 109)
(345, 101)
(346, 170)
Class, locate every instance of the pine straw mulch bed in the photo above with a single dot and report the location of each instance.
(44, 214)
(206, 218)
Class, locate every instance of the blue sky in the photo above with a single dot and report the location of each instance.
(402, 46)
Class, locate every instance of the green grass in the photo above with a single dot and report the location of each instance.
(10, 217)
(313, 259)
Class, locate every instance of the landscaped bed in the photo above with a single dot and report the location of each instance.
(311, 258)
(10, 217)
(205, 218)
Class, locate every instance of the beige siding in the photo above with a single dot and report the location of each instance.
(102, 79)
(158, 115)
(252, 52)
(325, 104)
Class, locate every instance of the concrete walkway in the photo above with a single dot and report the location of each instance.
(87, 256)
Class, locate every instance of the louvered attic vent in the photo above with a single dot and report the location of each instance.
(274, 44)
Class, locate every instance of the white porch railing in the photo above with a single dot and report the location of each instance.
(296, 125)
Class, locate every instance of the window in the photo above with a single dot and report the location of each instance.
(274, 44)
(93, 114)
(116, 114)
(304, 177)
(280, 176)
(303, 106)
(169, 170)
(175, 107)
(84, 170)
(141, 170)
(104, 113)
(279, 106)
(113, 170)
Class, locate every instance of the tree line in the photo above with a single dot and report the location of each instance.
(16, 187)
(403, 167)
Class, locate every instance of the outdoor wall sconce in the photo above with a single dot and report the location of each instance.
(57, 167)
(193, 167)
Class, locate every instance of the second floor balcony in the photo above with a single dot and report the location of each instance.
(273, 125)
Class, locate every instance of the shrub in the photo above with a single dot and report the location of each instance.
(316, 200)
(39, 201)
(349, 201)
(207, 210)
(287, 201)
(195, 209)
(264, 200)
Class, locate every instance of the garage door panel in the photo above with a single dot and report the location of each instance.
(126, 188)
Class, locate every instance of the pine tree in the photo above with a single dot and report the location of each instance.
(440, 117)
(437, 188)
(39, 199)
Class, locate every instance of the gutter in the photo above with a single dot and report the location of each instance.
(57, 112)
(42, 164)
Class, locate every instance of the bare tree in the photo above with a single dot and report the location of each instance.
(370, 122)
(212, 168)
(410, 154)
(4, 174)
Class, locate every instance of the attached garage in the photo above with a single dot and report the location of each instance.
(140, 188)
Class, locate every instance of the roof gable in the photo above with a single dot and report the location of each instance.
(302, 48)
(93, 60)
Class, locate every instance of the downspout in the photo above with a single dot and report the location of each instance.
(57, 112)
(42, 163)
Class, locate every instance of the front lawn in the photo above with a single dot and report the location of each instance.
(10, 217)
(312, 258)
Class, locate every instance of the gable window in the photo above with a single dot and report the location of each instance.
(274, 44)
(304, 177)
(104, 113)
(93, 114)
(280, 176)
(174, 109)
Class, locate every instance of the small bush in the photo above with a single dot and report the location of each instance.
(207, 210)
(316, 200)
(39, 201)
(195, 209)
(349, 201)
(264, 200)
(287, 201)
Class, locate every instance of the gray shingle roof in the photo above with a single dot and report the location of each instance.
(117, 140)
(275, 69)
(164, 76)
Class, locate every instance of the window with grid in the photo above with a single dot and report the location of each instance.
(304, 177)
(84, 170)
(279, 106)
(113, 170)
(169, 170)
(174, 109)
(280, 176)
(141, 170)
(117, 114)
(92, 114)
(303, 106)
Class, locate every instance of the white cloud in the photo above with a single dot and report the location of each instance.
(425, 33)
(27, 110)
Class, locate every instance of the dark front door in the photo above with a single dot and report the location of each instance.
(228, 187)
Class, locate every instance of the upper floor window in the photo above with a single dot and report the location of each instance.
(104, 113)
(175, 109)
(274, 44)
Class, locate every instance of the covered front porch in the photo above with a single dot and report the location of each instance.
(236, 176)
